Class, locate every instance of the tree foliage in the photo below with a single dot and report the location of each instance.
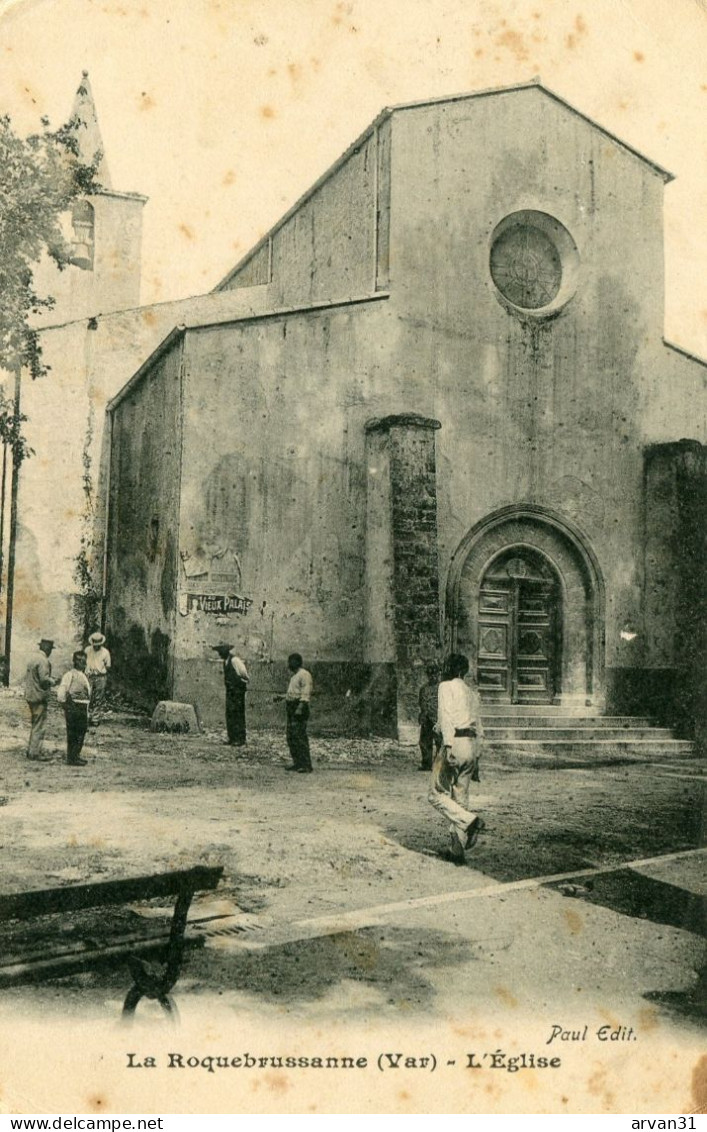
(11, 429)
(40, 177)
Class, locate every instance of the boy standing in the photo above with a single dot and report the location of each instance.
(74, 692)
(299, 693)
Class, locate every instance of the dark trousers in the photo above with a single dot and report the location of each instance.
(430, 743)
(297, 739)
(235, 715)
(76, 725)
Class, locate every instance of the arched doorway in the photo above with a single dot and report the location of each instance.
(525, 602)
(519, 629)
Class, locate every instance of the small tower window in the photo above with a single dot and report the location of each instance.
(83, 224)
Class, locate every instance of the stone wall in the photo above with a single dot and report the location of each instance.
(405, 576)
(676, 577)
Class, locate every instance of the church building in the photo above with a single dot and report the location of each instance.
(432, 409)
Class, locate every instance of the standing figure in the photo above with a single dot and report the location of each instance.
(457, 763)
(430, 738)
(38, 681)
(74, 692)
(235, 678)
(97, 669)
(297, 697)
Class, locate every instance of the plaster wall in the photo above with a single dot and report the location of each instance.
(274, 474)
(142, 529)
(327, 248)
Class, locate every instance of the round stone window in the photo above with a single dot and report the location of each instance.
(533, 262)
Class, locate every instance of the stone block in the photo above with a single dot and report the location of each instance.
(174, 718)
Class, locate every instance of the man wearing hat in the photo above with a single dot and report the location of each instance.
(235, 677)
(38, 682)
(97, 669)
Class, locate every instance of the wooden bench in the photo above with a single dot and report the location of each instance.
(34, 962)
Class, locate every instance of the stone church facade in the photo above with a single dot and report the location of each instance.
(451, 422)
(431, 409)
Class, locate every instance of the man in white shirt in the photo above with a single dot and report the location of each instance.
(74, 692)
(236, 679)
(97, 669)
(457, 763)
(297, 697)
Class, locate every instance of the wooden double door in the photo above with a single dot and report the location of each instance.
(518, 630)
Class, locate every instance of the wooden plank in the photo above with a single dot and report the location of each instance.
(81, 945)
(58, 966)
(71, 898)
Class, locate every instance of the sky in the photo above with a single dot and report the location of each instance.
(223, 112)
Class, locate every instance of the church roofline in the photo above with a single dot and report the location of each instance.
(685, 353)
(389, 111)
(165, 345)
(121, 196)
(537, 84)
(230, 319)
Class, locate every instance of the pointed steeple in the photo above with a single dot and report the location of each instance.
(88, 132)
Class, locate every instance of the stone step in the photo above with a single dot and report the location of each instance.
(541, 734)
(540, 709)
(587, 752)
(564, 721)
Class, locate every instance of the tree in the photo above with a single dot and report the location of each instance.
(40, 177)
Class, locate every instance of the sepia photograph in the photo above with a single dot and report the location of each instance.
(353, 531)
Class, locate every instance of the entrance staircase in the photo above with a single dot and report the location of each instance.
(546, 735)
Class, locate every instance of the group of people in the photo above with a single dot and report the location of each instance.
(81, 691)
(450, 734)
(297, 701)
(450, 721)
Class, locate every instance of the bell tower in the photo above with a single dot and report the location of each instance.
(104, 231)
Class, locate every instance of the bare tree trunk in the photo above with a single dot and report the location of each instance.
(2, 512)
(16, 462)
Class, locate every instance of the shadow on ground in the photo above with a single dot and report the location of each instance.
(390, 967)
(645, 898)
(393, 962)
(690, 1004)
(502, 855)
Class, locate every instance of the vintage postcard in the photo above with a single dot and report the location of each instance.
(352, 545)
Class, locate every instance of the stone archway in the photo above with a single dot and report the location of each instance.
(525, 602)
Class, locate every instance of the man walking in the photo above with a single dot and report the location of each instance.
(38, 681)
(74, 692)
(235, 677)
(97, 669)
(430, 738)
(297, 697)
(457, 764)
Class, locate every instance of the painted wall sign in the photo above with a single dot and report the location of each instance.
(215, 603)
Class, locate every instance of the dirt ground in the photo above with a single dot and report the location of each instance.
(348, 905)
